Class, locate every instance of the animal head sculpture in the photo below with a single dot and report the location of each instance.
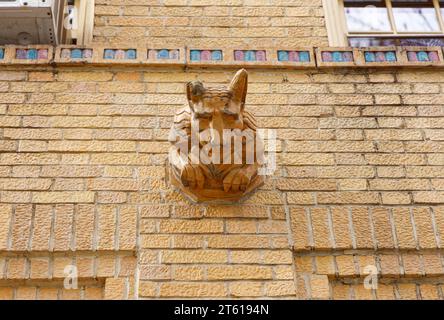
(216, 153)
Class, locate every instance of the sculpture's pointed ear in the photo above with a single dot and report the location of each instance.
(195, 90)
(238, 87)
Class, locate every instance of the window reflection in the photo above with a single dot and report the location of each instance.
(416, 20)
(367, 19)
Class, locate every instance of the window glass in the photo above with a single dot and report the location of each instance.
(415, 16)
(367, 16)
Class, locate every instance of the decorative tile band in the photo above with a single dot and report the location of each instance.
(380, 56)
(206, 55)
(423, 56)
(163, 54)
(280, 57)
(337, 56)
(293, 56)
(31, 54)
(68, 53)
(120, 54)
(250, 55)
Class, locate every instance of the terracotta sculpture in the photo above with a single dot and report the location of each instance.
(206, 163)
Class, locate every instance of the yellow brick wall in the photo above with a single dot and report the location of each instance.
(206, 23)
(359, 182)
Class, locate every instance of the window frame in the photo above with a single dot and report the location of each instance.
(338, 33)
(84, 33)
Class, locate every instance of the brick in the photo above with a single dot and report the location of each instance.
(429, 292)
(85, 267)
(424, 228)
(93, 293)
(361, 227)
(191, 289)
(106, 266)
(238, 272)
(341, 228)
(16, 268)
(42, 227)
(63, 197)
(404, 229)
(241, 226)
(346, 265)
(299, 227)
(246, 289)
(39, 268)
(84, 226)
(382, 228)
(325, 265)
(115, 289)
(389, 266)
(58, 266)
(280, 288)
(147, 289)
(385, 292)
(251, 256)
(412, 265)
(127, 228)
(319, 287)
(321, 229)
(432, 265)
(70, 294)
(407, 291)
(26, 293)
(188, 273)
(63, 227)
(107, 226)
(48, 294)
(21, 227)
(155, 272)
(185, 226)
(194, 256)
(5, 222)
(341, 292)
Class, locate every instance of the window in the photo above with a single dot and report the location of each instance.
(80, 18)
(46, 22)
(364, 23)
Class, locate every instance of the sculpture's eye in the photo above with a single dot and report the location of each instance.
(204, 115)
(231, 115)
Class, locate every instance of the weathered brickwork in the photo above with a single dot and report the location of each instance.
(359, 182)
(263, 23)
(359, 186)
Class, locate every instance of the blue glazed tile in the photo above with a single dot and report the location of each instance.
(131, 54)
(337, 56)
(31, 54)
(390, 56)
(370, 56)
(2, 53)
(216, 55)
(282, 55)
(423, 56)
(195, 55)
(304, 56)
(76, 54)
(163, 54)
(108, 54)
(250, 55)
